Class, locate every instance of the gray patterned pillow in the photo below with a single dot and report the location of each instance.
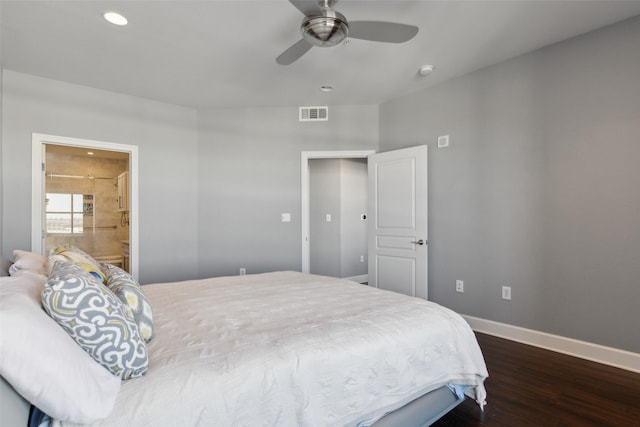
(130, 293)
(94, 317)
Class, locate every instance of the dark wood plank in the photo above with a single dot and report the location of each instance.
(530, 386)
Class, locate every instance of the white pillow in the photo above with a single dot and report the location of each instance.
(41, 361)
(31, 261)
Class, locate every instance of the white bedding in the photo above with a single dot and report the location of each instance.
(288, 349)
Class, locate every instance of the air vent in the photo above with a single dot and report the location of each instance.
(314, 114)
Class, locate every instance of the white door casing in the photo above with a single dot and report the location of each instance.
(398, 245)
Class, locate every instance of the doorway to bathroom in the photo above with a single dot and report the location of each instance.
(86, 198)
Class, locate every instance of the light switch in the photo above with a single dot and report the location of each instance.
(286, 217)
(443, 141)
(327, 217)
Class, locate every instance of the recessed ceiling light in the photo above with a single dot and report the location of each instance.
(326, 88)
(115, 18)
(91, 153)
(425, 70)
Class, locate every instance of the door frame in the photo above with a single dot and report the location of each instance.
(305, 213)
(38, 142)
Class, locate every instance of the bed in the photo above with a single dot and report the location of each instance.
(284, 349)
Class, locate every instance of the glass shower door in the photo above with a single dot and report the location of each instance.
(69, 213)
(81, 211)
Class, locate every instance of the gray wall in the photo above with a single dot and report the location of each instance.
(353, 231)
(540, 189)
(325, 198)
(337, 187)
(249, 174)
(167, 139)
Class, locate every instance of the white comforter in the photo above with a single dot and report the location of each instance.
(288, 349)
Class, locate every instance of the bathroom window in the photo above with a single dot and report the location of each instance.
(64, 213)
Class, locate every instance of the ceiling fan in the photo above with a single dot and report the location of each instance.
(323, 26)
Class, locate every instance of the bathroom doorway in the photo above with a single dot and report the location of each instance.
(85, 195)
(86, 202)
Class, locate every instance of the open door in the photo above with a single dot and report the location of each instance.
(398, 221)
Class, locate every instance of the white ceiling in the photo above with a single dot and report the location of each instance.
(214, 53)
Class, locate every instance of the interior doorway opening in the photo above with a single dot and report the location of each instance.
(337, 218)
(86, 200)
(326, 218)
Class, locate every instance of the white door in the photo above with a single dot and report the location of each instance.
(398, 221)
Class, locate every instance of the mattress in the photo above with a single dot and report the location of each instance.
(291, 349)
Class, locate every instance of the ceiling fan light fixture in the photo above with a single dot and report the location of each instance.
(325, 31)
(323, 26)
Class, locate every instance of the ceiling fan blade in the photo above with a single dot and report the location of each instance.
(307, 7)
(379, 31)
(294, 53)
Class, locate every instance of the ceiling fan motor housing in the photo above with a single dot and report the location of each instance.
(325, 31)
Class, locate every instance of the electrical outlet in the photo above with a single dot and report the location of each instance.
(460, 286)
(361, 258)
(506, 292)
(243, 271)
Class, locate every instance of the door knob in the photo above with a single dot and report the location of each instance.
(419, 242)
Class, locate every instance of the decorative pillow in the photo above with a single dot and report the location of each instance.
(130, 293)
(65, 248)
(31, 261)
(41, 361)
(94, 317)
(88, 257)
(79, 257)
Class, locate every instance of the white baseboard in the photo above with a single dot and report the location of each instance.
(360, 279)
(582, 349)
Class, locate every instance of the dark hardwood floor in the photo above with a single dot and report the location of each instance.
(529, 386)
